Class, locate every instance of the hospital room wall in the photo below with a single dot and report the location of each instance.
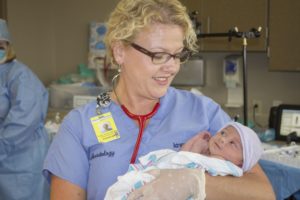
(51, 37)
(268, 87)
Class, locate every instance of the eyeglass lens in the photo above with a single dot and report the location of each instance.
(163, 57)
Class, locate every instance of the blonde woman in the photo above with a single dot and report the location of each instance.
(148, 40)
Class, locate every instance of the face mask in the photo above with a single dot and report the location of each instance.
(2, 56)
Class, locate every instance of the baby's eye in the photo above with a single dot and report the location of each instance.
(234, 144)
(222, 132)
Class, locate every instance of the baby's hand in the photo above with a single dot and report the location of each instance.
(198, 143)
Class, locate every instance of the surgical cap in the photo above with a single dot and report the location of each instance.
(4, 34)
(252, 147)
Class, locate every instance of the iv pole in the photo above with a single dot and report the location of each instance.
(253, 33)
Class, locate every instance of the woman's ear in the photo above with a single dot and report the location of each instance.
(118, 52)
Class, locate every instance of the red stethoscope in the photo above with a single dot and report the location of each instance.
(141, 119)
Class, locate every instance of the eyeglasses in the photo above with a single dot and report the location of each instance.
(163, 57)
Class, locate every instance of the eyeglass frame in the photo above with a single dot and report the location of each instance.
(152, 54)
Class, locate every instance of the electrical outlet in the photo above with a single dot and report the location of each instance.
(258, 104)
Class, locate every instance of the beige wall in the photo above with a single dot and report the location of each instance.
(51, 36)
(268, 87)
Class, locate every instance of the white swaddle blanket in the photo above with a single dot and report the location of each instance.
(137, 174)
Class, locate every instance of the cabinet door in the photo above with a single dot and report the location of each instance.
(3, 9)
(284, 42)
(219, 16)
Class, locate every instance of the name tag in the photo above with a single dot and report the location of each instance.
(105, 128)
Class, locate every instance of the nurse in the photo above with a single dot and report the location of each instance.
(23, 139)
(148, 40)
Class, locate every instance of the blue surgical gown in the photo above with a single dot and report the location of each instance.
(284, 179)
(23, 139)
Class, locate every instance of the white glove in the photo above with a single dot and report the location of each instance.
(172, 184)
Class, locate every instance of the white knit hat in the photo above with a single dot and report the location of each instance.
(252, 147)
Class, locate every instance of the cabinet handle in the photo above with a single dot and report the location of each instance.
(268, 52)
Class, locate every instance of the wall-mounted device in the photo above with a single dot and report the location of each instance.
(232, 77)
(191, 73)
(232, 71)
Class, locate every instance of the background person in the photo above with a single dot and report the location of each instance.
(23, 139)
(148, 40)
(233, 150)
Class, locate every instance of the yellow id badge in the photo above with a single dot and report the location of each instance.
(105, 128)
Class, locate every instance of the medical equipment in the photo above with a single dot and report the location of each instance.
(62, 96)
(80, 100)
(288, 122)
(191, 73)
(141, 119)
(234, 32)
(232, 77)
(253, 33)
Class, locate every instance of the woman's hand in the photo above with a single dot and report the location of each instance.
(175, 184)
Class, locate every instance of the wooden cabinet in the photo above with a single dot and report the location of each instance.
(279, 21)
(284, 32)
(219, 16)
(3, 9)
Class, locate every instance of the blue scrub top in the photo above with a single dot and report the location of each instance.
(76, 155)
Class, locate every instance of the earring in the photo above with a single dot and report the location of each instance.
(116, 76)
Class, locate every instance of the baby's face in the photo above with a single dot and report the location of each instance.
(227, 144)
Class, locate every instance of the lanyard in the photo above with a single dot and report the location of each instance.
(141, 119)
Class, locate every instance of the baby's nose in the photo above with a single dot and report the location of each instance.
(223, 140)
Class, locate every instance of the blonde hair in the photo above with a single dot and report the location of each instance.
(11, 55)
(131, 16)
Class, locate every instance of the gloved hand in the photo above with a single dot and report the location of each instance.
(198, 143)
(172, 184)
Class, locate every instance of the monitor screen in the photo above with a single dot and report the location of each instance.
(288, 120)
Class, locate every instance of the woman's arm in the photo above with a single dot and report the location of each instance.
(252, 185)
(62, 189)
